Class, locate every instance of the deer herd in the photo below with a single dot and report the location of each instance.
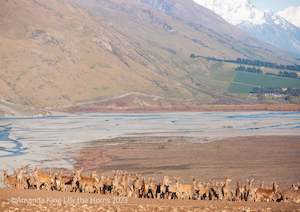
(135, 185)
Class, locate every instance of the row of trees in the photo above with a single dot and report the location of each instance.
(249, 69)
(265, 64)
(288, 74)
(259, 63)
(281, 91)
(259, 71)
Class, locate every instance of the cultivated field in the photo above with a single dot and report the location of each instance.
(244, 82)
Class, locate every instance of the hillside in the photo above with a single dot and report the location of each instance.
(58, 54)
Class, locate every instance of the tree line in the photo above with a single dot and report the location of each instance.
(249, 69)
(264, 64)
(259, 63)
(259, 71)
(281, 91)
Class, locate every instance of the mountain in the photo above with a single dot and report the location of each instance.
(62, 53)
(291, 14)
(263, 25)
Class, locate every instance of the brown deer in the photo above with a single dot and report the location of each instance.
(203, 190)
(292, 195)
(183, 191)
(64, 182)
(226, 190)
(239, 192)
(249, 194)
(262, 194)
(43, 179)
(21, 178)
(10, 180)
(87, 184)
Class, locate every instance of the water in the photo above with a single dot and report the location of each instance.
(51, 141)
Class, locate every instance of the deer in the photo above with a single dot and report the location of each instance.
(137, 187)
(87, 184)
(149, 188)
(165, 187)
(215, 190)
(268, 194)
(172, 192)
(124, 184)
(63, 182)
(262, 184)
(226, 192)
(240, 192)
(108, 185)
(291, 195)
(203, 190)
(103, 181)
(43, 179)
(295, 187)
(30, 182)
(183, 191)
(20, 178)
(117, 187)
(249, 193)
(10, 180)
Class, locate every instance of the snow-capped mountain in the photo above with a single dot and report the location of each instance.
(263, 25)
(292, 14)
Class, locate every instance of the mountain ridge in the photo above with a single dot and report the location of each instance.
(263, 25)
(291, 14)
(67, 52)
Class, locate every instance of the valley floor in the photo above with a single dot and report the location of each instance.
(264, 158)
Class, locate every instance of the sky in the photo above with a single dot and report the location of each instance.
(275, 5)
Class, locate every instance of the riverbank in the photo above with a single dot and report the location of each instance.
(179, 108)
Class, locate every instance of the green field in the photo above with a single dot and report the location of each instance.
(244, 82)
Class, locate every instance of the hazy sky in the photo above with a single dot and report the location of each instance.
(275, 5)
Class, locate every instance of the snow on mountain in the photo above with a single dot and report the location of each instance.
(234, 11)
(292, 14)
(264, 25)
